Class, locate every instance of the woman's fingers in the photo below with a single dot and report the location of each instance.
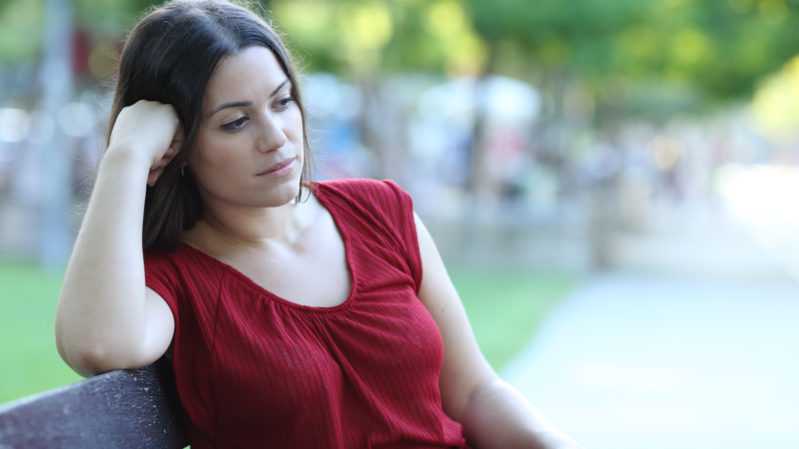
(148, 128)
(173, 150)
(151, 128)
(157, 169)
(153, 176)
(168, 156)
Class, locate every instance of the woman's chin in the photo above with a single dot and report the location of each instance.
(285, 194)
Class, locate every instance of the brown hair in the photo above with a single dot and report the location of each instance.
(169, 57)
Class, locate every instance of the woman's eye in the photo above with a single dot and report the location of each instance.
(284, 103)
(235, 124)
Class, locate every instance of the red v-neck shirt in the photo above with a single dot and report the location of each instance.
(254, 370)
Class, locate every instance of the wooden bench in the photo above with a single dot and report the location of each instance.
(120, 409)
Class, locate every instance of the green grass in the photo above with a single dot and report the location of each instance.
(504, 307)
(30, 362)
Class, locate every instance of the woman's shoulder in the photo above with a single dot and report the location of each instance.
(186, 266)
(363, 189)
(375, 205)
(184, 259)
(163, 264)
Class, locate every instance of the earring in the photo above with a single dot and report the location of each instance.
(183, 171)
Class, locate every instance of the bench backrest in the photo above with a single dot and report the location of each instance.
(120, 409)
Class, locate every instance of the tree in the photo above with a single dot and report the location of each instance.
(717, 50)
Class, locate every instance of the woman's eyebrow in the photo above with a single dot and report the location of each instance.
(238, 104)
(277, 89)
(235, 104)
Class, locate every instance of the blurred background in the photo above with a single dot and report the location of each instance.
(611, 183)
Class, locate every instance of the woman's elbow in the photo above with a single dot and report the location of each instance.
(89, 356)
(85, 358)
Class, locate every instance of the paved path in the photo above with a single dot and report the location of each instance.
(644, 361)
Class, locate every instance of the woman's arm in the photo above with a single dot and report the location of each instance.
(498, 416)
(493, 414)
(106, 318)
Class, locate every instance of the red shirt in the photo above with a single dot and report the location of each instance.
(256, 371)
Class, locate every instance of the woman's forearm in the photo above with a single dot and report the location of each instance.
(498, 416)
(101, 308)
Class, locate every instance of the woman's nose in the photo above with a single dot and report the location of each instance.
(272, 135)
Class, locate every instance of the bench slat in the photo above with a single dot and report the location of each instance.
(125, 409)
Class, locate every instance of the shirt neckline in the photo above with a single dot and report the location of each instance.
(345, 237)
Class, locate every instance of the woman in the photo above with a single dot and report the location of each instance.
(295, 314)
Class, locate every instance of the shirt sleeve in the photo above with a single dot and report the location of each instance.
(388, 210)
(161, 276)
(405, 224)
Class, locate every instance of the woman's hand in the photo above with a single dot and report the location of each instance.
(149, 130)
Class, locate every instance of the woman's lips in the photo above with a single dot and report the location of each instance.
(280, 169)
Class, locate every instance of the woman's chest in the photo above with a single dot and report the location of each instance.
(281, 366)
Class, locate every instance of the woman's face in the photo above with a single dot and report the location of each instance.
(249, 147)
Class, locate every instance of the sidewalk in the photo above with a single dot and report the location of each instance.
(645, 358)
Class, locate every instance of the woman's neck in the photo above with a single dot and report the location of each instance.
(222, 229)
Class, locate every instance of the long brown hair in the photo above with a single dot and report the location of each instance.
(169, 57)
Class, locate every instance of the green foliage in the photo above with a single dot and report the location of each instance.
(705, 51)
(714, 49)
(17, 19)
(719, 50)
(724, 47)
(366, 37)
(109, 19)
